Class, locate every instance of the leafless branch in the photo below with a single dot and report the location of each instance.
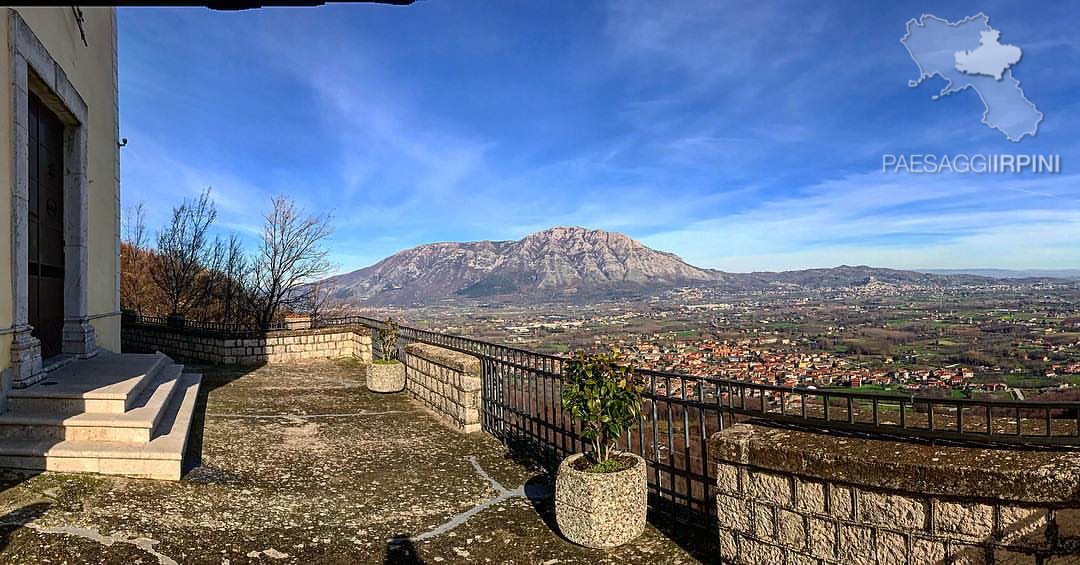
(186, 258)
(291, 254)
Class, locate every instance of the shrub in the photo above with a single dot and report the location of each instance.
(388, 341)
(601, 393)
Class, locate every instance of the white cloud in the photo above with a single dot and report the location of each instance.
(152, 175)
(394, 159)
(694, 138)
(911, 221)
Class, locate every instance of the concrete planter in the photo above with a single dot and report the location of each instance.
(601, 510)
(386, 377)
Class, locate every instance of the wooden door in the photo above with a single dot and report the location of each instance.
(46, 225)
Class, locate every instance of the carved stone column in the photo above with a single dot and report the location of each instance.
(79, 337)
(25, 348)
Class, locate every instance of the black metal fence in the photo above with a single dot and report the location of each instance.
(199, 326)
(522, 407)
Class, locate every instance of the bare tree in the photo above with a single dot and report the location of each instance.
(134, 230)
(186, 257)
(234, 272)
(291, 254)
(137, 289)
(317, 300)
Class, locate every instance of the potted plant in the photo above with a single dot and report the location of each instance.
(386, 374)
(601, 496)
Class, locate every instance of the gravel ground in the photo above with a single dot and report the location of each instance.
(301, 464)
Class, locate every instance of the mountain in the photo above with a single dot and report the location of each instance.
(1073, 274)
(554, 263)
(847, 276)
(573, 263)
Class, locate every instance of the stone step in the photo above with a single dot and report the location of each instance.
(133, 426)
(160, 458)
(105, 384)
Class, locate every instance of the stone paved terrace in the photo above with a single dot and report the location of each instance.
(301, 464)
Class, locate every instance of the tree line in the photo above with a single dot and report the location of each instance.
(184, 273)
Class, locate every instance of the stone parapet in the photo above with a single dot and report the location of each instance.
(255, 348)
(803, 497)
(447, 381)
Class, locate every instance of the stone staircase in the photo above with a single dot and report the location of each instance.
(114, 414)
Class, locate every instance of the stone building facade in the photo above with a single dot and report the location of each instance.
(59, 151)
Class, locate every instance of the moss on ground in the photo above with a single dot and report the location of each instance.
(302, 464)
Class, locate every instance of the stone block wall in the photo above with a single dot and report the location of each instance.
(279, 346)
(796, 497)
(447, 382)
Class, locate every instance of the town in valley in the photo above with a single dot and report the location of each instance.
(1002, 338)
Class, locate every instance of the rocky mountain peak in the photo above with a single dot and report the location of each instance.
(558, 260)
(577, 263)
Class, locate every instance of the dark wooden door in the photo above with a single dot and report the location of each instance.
(46, 226)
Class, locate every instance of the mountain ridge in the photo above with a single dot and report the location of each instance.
(560, 260)
(1009, 273)
(574, 263)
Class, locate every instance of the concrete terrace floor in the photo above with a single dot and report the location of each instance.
(301, 464)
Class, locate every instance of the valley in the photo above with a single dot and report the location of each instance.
(992, 339)
(881, 330)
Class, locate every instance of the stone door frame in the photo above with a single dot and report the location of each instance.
(33, 69)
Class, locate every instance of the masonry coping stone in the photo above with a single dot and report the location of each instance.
(448, 358)
(948, 470)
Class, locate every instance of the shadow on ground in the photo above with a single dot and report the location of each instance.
(213, 378)
(300, 463)
(400, 550)
(691, 535)
(15, 519)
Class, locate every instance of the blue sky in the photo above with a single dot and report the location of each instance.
(742, 136)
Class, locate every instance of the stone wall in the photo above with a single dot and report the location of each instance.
(279, 346)
(786, 496)
(447, 382)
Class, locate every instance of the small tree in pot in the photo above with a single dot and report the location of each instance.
(386, 374)
(601, 496)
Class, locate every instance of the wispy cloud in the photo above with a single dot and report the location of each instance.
(393, 159)
(908, 221)
(735, 134)
(158, 179)
(714, 41)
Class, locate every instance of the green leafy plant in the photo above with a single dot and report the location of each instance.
(601, 393)
(388, 341)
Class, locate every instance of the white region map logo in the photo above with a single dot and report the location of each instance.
(969, 54)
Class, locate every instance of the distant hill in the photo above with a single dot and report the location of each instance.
(573, 263)
(1072, 274)
(847, 276)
